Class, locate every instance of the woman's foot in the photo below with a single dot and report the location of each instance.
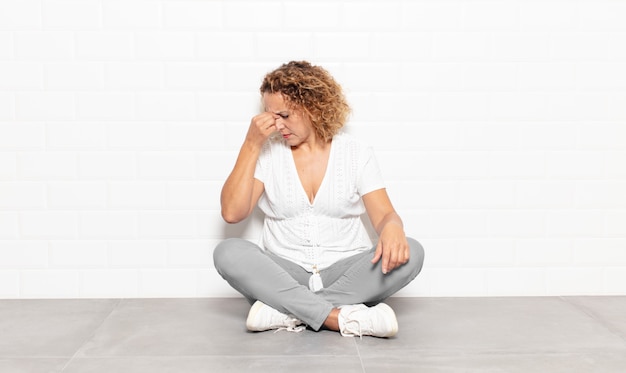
(263, 317)
(360, 320)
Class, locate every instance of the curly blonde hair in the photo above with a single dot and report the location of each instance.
(314, 91)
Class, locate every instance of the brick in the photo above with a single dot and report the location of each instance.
(192, 15)
(600, 194)
(380, 77)
(320, 16)
(134, 76)
(516, 282)
(6, 45)
(168, 283)
(136, 194)
(547, 76)
(468, 106)
(170, 46)
(49, 283)
(165, 106)
(46, 165)
(486, 253)
(458, 281)
(22, 195)
(495, 16)
(575, 223)
(579, 47)
(226, 46)
(542, 194)
(575, 165)
(615, 223)
(194, 196)
(521, 46)
(548, 136)
(74, 76)
(194, 76)
(599, 252)
(207, 169)
(9, 226)
(363, 15)
(548, 16)
(45, 46)
(78, 254)
(77, 195)
(107, 166)
(210, 283)
(433, 16)
(103, 46)
(441, 224)
(516, 223)
(88, 136)
(23, 254)
(107, 225)
(8, 166)
(48, 225)
(233, 107)
(109, 283)
(294, 44)
(574, 281)
(22, 136)
(601, 136)
(170, 224)
(266, 15)
(462, 47)
(212, 226)
(517, 165)
(600, 77)
(45, 106)
(71, 14)
(20, 15)
(131, 15)
(615, 280)
(137, 135)
(424, 194)
(349, 46)
(543, 252)
(190, 253)
(104, 106)
(615, 165)
(396, 44)
(486, 194)
(166, 165)
(20, 76)
(199, 136)
(9, 284)
(601, 16)
(480, 136)
(138, 254)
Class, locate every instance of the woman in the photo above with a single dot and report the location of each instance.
(318, 266)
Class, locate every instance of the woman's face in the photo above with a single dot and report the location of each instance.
(294, 127)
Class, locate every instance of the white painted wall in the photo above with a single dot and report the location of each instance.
(500, 127)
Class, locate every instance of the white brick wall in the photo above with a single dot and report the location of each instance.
(500, 127)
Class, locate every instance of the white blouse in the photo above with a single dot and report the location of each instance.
(316, 235)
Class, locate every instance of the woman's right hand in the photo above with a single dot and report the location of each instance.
(261, 127)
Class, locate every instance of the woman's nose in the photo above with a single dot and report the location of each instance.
(279, 124)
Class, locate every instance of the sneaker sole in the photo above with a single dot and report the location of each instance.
(390, 316)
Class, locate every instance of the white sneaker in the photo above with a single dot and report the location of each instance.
(358, 319)
(263, 317)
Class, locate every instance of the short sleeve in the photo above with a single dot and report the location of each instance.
(370, 177)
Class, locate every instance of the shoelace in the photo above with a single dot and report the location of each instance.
(291, 326)
(360, 334)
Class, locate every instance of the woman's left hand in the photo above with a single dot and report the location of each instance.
(392, 247)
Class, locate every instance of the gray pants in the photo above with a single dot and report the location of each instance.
(283, 285)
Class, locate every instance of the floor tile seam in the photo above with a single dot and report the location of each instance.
(503, 352)
(597, 318)
(92, 334)
(358, 351)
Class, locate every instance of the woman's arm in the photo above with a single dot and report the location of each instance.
(241, 191)
(392, 245)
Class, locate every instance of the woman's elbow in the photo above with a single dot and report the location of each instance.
(232, 217)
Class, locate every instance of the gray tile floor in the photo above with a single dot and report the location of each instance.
(534, 334)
